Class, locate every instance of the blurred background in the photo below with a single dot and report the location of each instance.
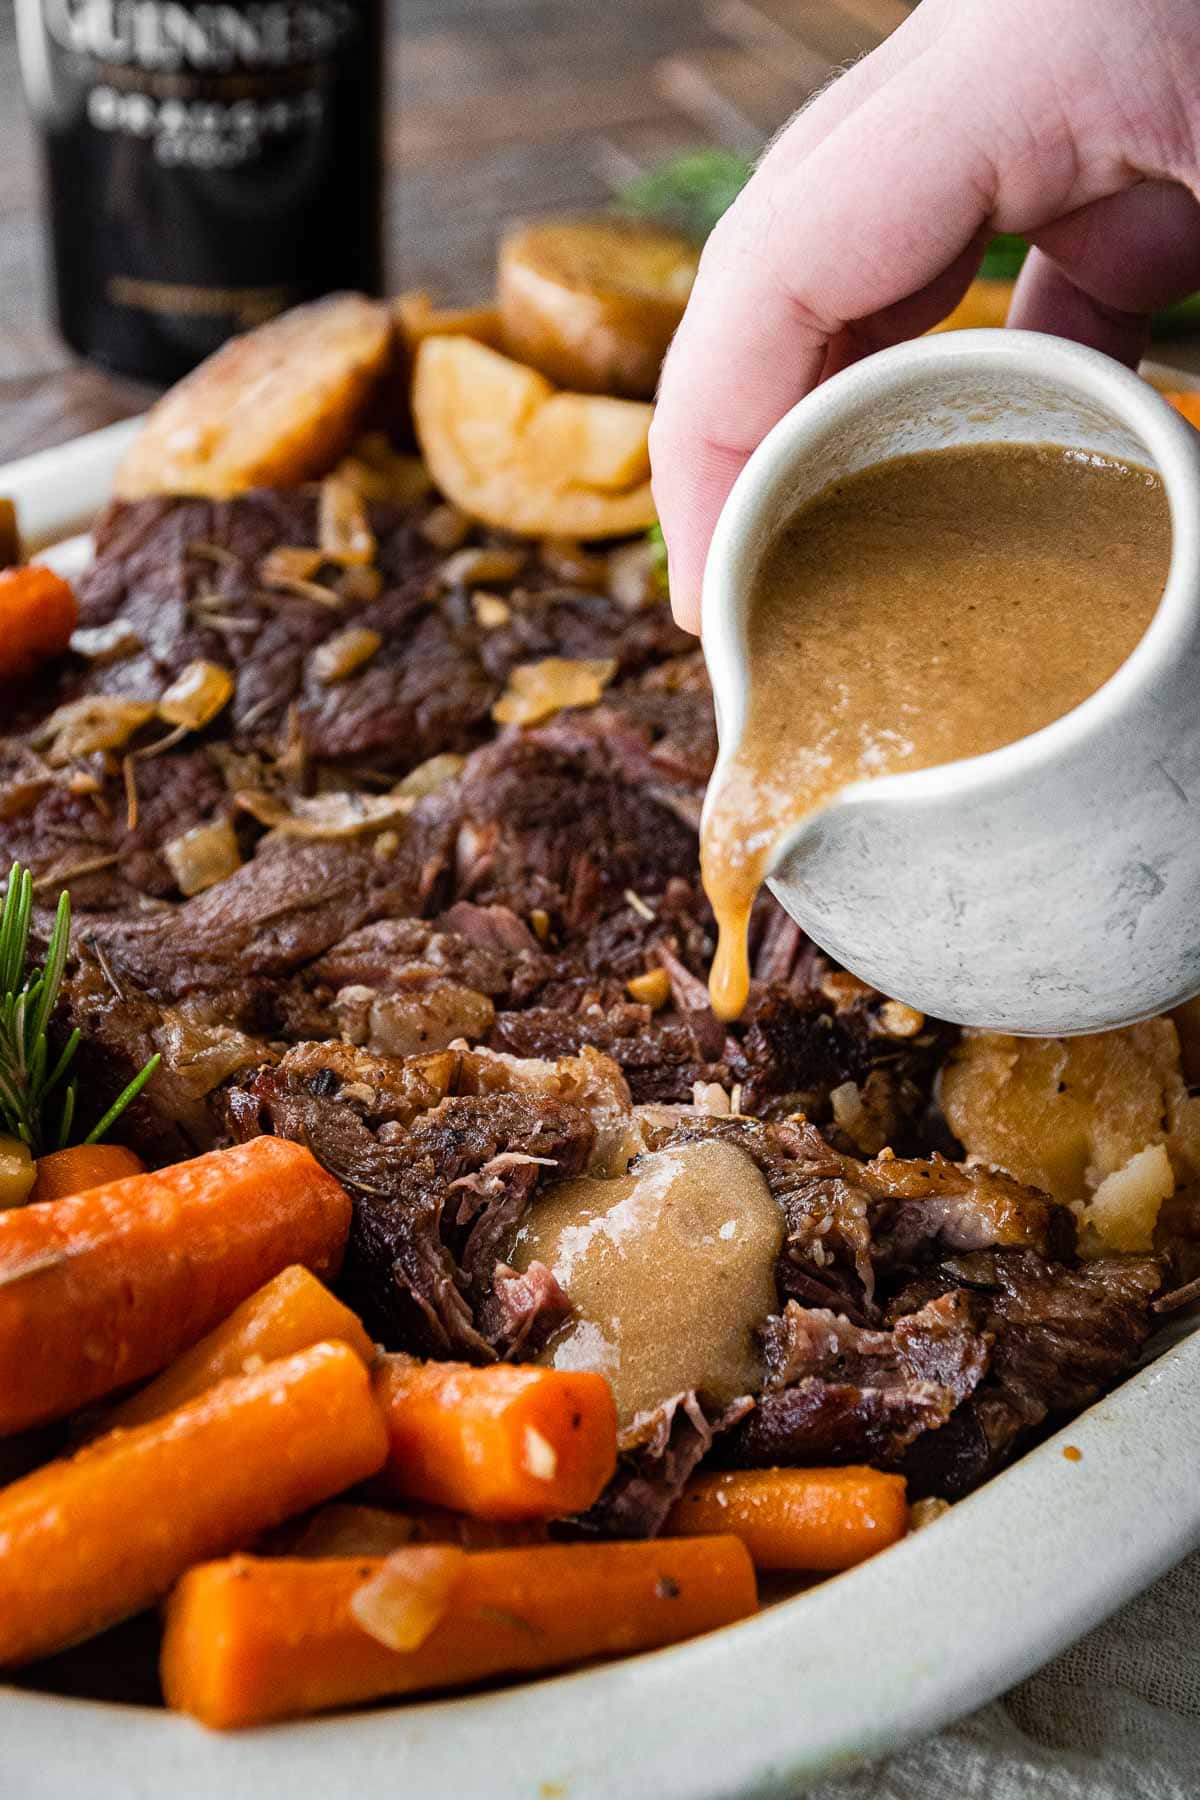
(495, 109)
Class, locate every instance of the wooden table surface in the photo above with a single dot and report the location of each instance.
(497, 109)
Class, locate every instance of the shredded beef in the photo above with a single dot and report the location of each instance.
(435, 1194)
(658, 1452)
(838, 1393)
(442, 1011)
(1061, 1337)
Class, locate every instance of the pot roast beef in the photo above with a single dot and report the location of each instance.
(501, 985)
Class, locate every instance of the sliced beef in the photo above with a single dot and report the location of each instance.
(543, 831)
(469, 947)
(661, 1057)
(280, 911)
(185, 576)
(74, 827)
(1062, 1337)
(838, 1393)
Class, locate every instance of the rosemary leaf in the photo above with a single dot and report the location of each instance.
(29, 996)
(125, 1098)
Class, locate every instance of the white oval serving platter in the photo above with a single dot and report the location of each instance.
(849, 1670)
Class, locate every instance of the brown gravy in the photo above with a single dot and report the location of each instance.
(668, 1268)
(933, 607)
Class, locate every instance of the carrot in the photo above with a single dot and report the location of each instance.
(103, 1289)
(288, 1314)
(248, 1641)
(83, 1166)
(986, 302)
(37, 616)
(96, 1537)
(1188, 404)
(818, 1519)
(501, 1443)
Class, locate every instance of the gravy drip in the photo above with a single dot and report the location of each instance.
(934, 607)
(669, 1269)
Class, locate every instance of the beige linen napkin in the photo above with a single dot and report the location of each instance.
(1117, 1717)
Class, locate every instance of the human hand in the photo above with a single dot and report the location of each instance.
(1073, 122)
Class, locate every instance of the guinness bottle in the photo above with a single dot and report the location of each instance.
(207, 165)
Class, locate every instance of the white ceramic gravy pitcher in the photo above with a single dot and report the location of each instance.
(1052, 886)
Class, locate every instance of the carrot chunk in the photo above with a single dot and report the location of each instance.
(98, 1536)
(288, 1314)
(1187, 403)
(250, 1640)
(506, 1442)
(817, 1519)
(37, 616)
(66, 1172)
(103, 1289)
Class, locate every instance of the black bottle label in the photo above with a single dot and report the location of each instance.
(207, 165)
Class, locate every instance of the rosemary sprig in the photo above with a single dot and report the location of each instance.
(37, 1096)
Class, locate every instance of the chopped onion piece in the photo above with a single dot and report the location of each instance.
(710, 1097)
(201, 857)
(96, 722)
(568, 561)
(633, 578)
(106, 643)
(378, 472)
(537, 690)
(196, 696)
(18, 1172)
(340, 655)
(288, 563)
(924, 1513)
(430, 775)
(490, 610)
(324, 815)
(343, 531)
(539, 1456)
(479, 565)
(407, 1599)
(445, 527)
(652, 989)
(900, 1021)
(345, 1529)
(359, 584)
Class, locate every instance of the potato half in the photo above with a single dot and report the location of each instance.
(271, 408)
(508, 448)
(594, 303)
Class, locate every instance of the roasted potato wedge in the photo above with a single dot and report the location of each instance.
(419, 318)
(507, 448)
(594, 303)
(274, 407)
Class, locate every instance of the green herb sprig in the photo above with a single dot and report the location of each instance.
(38, 1095)
(691, 192)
